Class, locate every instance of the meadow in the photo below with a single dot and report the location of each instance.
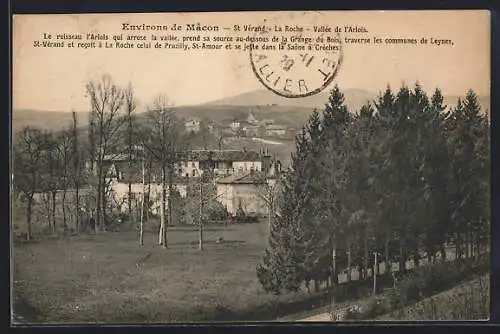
(108, 277)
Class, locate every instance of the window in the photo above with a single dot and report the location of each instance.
(194, 172)
(193, 165)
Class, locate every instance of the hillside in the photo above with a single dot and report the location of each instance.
(45, 120)
(290, 115)
(355, 98)
(262, 103)
(466, 301)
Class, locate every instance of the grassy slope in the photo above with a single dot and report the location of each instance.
(466, 301)
(94, 278)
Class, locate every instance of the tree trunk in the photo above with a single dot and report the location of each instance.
(98, 201)
(466, 244)
(141, 231)
(416, 258)
(402, 258)
(77, 194)
(471, 239)
(388, 264)
(148, 197)
(129, 202)
(443, 252)
(334, 274)
(131, 217)
(349, 259)
(170, 191)
(269, 221)
(54, 194)
(64, 208)
(200, 240)
(458, 246)
(163, 227)
(104, 205)
(365, 260)
(28, 216)
(76, 165)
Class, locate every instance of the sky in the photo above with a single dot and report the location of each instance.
(55, 78)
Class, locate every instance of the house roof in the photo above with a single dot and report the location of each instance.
(134, 173)
(248, 178)
(224, 155)
(197, 155)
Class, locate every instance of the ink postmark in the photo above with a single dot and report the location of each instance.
(295, 60)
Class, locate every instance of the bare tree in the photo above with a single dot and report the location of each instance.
(220, 138)
(267, 190)
(106, 120)
(76, 170)
(161, 138)
(141, 231)
(50, 171)
(203, 196)
(27, 154)
(130, 106)
(64, 146)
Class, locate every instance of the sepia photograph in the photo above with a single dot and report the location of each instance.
(280, 166)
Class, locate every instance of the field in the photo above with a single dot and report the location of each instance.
(95, 277)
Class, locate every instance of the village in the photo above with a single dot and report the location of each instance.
(167, 215)
(237, 177)
(236, 181)
(250, 127)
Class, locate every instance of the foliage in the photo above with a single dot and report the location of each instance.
(425, 282)
(402, 177)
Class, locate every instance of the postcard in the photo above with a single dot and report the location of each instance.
(279, 166)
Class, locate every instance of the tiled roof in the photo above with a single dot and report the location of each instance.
(224, 155)
(248, 178)
(198, 155)
(134, 174)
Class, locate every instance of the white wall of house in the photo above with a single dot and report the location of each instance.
(230, 195)
(191, 168)
(246, 166)
(235, 126)
(275, 132)
(193, 125)
(120, 192)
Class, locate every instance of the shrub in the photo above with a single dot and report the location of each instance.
(216, 211)
(427, 281)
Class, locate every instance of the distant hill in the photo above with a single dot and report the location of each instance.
(45, 120)
(262, 103)
(355, 98)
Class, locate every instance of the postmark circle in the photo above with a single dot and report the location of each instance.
(295, 61)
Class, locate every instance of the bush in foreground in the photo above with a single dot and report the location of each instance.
(426, 282)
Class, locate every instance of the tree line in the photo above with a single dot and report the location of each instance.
(47, 162)
(402, 178)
